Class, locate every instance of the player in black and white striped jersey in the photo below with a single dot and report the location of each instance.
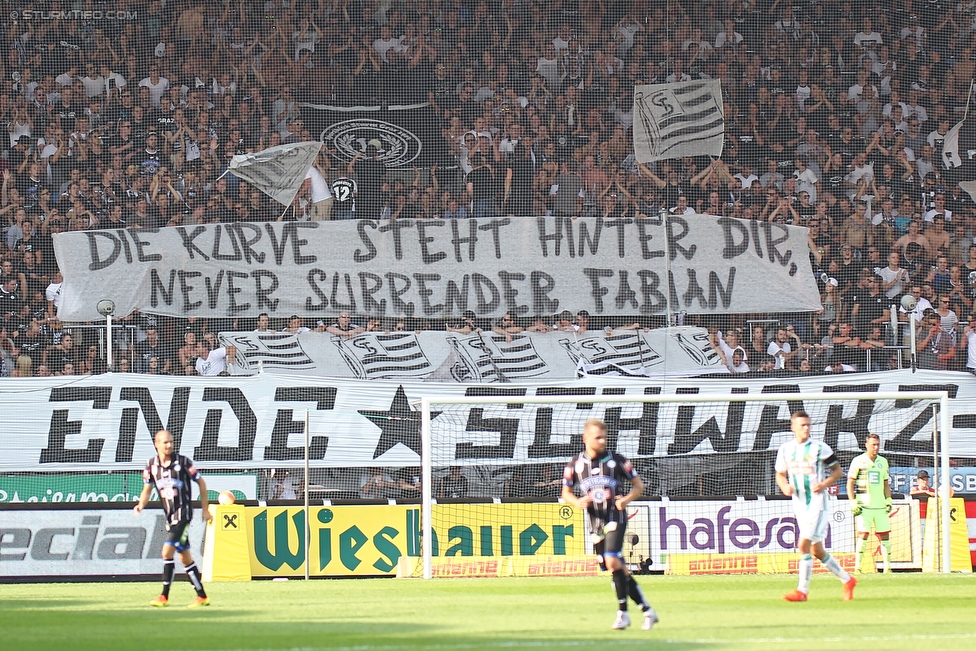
(171, 473)
(601, 476)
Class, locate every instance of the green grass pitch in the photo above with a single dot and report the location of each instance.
(906, 611)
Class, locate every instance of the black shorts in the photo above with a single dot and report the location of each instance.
(612, 541)
(178, 536)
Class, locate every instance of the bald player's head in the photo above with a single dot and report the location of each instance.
(164, 443)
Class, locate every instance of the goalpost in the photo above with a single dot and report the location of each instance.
(683, 442)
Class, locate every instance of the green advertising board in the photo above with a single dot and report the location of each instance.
(114, 487)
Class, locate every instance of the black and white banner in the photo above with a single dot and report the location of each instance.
(106, 423)
(405, 136)
(679, 119)
(439, 268)
(478, 357)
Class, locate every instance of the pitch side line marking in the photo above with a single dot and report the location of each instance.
(578, 643)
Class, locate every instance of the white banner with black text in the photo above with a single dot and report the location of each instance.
(440, 268)
(106, 423)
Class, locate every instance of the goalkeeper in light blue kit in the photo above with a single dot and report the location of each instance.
(869, 492)
(805, 469)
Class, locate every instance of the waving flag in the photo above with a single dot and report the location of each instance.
(959, 150)
(277, 171)
(680, 119)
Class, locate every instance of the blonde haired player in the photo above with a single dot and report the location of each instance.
(869, 493)
(804, 470)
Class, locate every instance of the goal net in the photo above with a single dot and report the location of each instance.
(493, 467)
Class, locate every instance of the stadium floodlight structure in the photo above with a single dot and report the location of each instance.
(569, 412)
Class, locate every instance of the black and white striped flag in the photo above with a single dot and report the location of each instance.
(386, 356)
(680, 119)
(490, 358)
(273, 350)
(624, 353)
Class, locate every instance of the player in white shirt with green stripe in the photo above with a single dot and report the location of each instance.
(804, 471)
(869, 492)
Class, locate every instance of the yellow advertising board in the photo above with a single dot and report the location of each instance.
(959, 555)
(507, 530)
(371, 540)
(343, 541)
(227, 531)
(764, 563)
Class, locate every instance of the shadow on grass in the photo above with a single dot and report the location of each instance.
(218, 628)
(13, 605)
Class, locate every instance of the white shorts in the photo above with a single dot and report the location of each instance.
(812, 524)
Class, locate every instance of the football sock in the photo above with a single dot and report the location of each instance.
(806, 569)
(169, 566)
(831, 564)
(620, 587)
(886, 545)
(194, 575)
(859, 546)
(637, 594)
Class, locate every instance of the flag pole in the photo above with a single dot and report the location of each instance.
(968, 98)
(308, 531)
(667, 265)
(968, 186)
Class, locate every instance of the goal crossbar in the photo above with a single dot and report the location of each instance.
(944, 424)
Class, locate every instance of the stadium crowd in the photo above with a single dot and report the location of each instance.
(836, 113)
